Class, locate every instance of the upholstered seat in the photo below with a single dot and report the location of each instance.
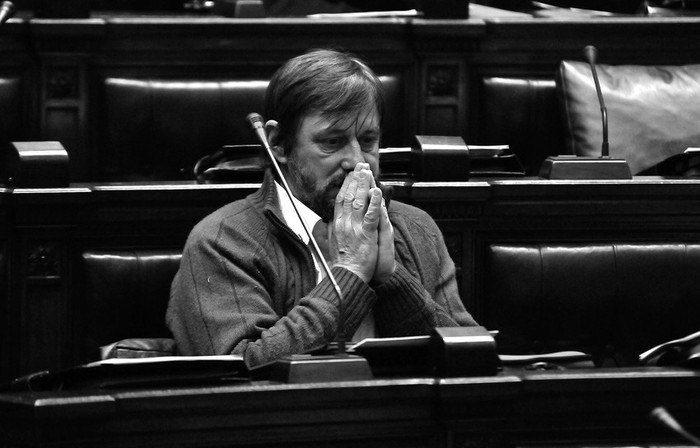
(157, 129)
(653, 111)
(610, 300)
(10, 116)
(10, 112)
(126, 296)
(522, 113)
(613, 301)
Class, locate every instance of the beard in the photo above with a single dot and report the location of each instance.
(318, 195)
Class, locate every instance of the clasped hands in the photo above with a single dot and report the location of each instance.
(361, 235)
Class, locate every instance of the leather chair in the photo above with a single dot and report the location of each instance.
(653, 111)
(613, 301)
(524, 114)
(127, 293)
(10, 110)
(155, 129)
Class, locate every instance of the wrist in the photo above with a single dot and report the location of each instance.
(355, 270)
(383, 277)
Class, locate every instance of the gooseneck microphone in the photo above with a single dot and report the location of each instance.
(591, 54)
(7, 10)
(256, 123)
(661, 416)
(588, 167)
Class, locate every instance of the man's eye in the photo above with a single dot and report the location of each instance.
(368, 142)
(333, 142)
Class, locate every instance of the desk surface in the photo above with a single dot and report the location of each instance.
(580, 407)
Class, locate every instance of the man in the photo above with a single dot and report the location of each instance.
(249, 284)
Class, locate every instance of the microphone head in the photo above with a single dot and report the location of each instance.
(8, 6)
(7, 10)
(591, 54)
(660, 415)
(255, 119)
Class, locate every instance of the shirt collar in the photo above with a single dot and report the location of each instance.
(290, 216)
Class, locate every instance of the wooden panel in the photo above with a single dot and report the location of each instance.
(578, 407)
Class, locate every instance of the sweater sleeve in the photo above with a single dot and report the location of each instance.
(237, 294)
(422, 294)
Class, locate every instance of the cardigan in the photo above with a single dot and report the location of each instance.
(246, 285)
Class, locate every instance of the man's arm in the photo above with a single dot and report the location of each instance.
(241, 295)
(422, 294)
(409, 301)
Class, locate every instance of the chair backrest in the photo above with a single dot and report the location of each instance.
(10, 110)
(127, 293)
(653, 111)
(610, 300)
(157, 129)
(524, 114)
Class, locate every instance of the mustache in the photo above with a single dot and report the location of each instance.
(335, 182)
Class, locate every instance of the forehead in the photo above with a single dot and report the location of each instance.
(361, 120)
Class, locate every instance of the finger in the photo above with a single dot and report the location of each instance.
(373, 181)
(340, 197)
(341, 193)
(374, 210)
(350, 193)
(361, 166)
(359, 204)
(385, 211)
(365, 166)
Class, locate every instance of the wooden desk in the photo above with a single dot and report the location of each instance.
(573, 407)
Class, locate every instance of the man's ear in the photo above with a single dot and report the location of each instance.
(272, 132)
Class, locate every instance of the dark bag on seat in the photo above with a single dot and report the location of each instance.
(232, 163)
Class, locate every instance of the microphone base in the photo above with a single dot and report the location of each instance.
(314, 369)
(464, 351)
(573, 167)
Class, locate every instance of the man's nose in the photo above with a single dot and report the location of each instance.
(352, 155)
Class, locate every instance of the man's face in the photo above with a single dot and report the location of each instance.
(326, 150)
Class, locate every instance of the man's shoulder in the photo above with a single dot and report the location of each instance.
(401, 209)
(412, 219)
(237, 215)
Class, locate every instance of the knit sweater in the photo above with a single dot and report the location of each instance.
(247, 285)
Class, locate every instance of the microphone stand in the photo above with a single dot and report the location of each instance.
(591, 54)
(579, 167)
(309, 368)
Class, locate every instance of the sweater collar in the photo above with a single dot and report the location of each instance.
(268, 199)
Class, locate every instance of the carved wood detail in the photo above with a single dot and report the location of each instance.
(43, 259)
(443, 81)
(63, 83)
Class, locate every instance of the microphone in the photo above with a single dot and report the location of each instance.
(580, 167)
(661, 416)
(312, 369)
(256, 123)
(7, 10)
(591, 54)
